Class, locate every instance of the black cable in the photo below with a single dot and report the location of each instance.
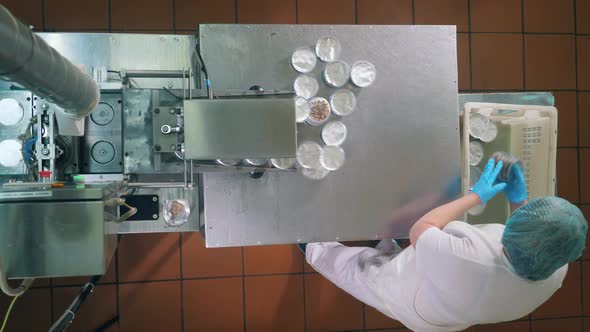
(107, 324)
(68, 316)
(172, 93)
(114, 71)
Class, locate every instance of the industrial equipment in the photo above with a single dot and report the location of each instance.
(104, 134)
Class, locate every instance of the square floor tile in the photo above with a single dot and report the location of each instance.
(154, 256)
(31, 312)
(567, 301)
(273, 259)
(150, 306)
(496, 61)
(326, 11)
(136, 15)
(548, 16)
(554, 325)
(384, 11)
(583, 16)
(275, 303)
(567, 174)
(267, 12)
(213, 305)
(584, 120)
(330, 308)
(496, 16)
(201, 262)
(567, 132)
(76, 15)
(463, 61)
(30, 12)
(550, 62)
(100, 306)
(191, 13)
(442, 12)
(376, 320)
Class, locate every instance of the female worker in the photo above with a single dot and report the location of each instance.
(454, 274)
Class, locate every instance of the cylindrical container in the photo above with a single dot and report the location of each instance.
(332, 157)
(482, 128)
(11, 112)
(508, 162)
(308, 154)
(283, 163)
(328, 49)
(336, 73)
(306, 86)
(475, 153)
(255, 162)
(343, 102)
(227, 162)
(25, 58)
(320, 111)
(334, 133)
(302, 109)
(319, 173)
(363, 74)
(303, 60)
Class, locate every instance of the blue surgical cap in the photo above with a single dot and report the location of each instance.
(544, 235)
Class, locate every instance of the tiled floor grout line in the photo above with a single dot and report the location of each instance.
(523, 46)
(414, 12)
(469, 32)
(243, 290)
(181, 284)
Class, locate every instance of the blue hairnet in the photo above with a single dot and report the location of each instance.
(544, 235)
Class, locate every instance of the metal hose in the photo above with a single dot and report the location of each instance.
(29, 61)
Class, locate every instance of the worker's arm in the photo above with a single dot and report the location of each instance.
(515, 191)
(484, 190)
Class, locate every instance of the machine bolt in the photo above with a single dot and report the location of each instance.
(157, 110)
(173, 147)
(157, 147)
(44, 106)
(155, 199)
(155, 216)
(45, 151)
(172, 111)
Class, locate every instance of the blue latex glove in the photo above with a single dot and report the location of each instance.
(486, 188)
(516, 186)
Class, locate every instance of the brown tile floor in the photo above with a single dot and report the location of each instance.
(172, 283)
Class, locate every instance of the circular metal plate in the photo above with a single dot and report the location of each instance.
(103, 114)
(103, 152)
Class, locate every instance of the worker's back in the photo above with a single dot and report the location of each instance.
(460, 277)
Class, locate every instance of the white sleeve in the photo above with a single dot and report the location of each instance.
(438, 251)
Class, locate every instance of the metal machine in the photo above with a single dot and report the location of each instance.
(144, 159)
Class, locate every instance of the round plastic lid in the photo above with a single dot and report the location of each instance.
(308, 154)
(336, 73)
(303, 60)
(475, 153)
(334, 133)
(306, 86)
(319, 173)
(482, 128)
(332, 157)
(255, 162)
(10, 153)
(363, 74)
(302, 109)
(328, 49)
(11, 112)
(343, 102)
(228, 162)
(283, 163)
(320, 111)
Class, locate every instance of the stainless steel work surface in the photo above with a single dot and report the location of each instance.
(402, 149)
(239, 128)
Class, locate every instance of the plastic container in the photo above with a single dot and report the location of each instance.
(363, 74)
(228, 162)
(255, 162)
(176, 212)
(302, 109)
(343, 102)
(334, 133)
(320, 111)
(283, 163)
(315, 173)
(336, 73)
(328, 49)
(306, 86)
(475, 153)
(308, 154)
(303, 60)
(332, 157)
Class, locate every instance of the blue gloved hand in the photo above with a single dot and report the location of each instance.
(516, 186)
(486, 188)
